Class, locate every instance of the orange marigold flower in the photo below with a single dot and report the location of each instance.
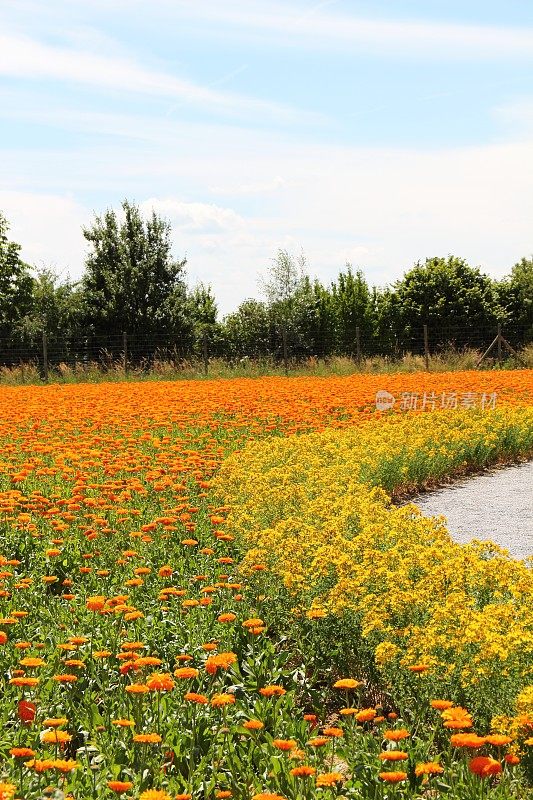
(223, 794)
(418, 668)
(393, 777)
(26, 711)
(441, 705)
(366, 715)
(252, 623)
(227, 617)
(333, 732)
(396, 735)
(159, 794)
(160, 682)
(219, 661)
(24, 681)
(55, 737)
(253, 725)
(329, 778)
(303, 771)
(119, 786)
(428, 768)
(347, 683)
(268, 796)
(95, 603)
(284, 744)
(184, 673)
(65, 766)
(193, 697)
(223, 699)
(471, 740)
(393, 755)
(512, 759)
(182, 796)
(32, 662)
(54, 722)
(318, 741)
(123, 723)
(147, 738)
(67, 678)
(484, 766)
(7, 790)
(22, 752)
(137, 688)
(272, 691)
(498, 739)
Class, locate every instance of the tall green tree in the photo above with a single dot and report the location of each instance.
(516, 298)
(247, 332)
(132, 282)
(353, 308)
(16, 286)
(56, 307)
(455, 300)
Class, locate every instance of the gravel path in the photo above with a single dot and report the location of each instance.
(497, 505)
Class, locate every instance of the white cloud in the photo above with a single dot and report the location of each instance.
(195, 217)
(297, 25)
(23, 57)
(265, 187)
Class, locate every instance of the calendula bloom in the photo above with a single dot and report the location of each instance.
(272, 691)
(441, 705)
(329, 778)
(26, 711)
(253, 725)
(183, 796)
(223, 794)
(22, 752)
(396, 735)
(222, 699)
(268, 796)
(428, 768)
(498, 739)
(65, 766)
(471, 740)
(147, 738)
(227, 617)
(155, 794)
(66, 678)
(393, 777)
(119, 787)
(137, 688)
(219, 661)
(252, 623)
(348, 712)
(318, 741)
(347, 683)
(55, 737)
(366, 715)
(284, 744)
(418, 668)
(123, 723)
(95, 603)
(54, 722)
(7, 790)
(29, 682)
(193, 697)
(484, 766)
(32, 662)
(304, 771)
(511, 759)
(160, 682)
(333, 732)
(40, 765)
(393, 755)
(186, 673)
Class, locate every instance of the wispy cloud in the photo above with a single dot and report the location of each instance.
(24, 57)
(294, 26)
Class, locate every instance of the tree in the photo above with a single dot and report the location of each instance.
(352, 305)
(451, 297)
(131, 282)
(247, 331)
(285, 288)
(16, 284)
(56, 307)
(516, 298)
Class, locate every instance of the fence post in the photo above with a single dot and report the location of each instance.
(357, 344)
(426, 347)
(125, 349)
(285, 354)
(45, 357)
(499, 345)
(205, 354)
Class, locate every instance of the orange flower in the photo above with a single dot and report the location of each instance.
(160, 682)
(268, 796)
(147, 738)
(333, 732)
(303, 772)
(228, 617)
(220, 661)
(65, 766)
(123, 723)
(393, 777)
(393, 755)
(329, 778)
(120, 786)
(366, 715)
(22, 752)
(67, 678)
(55, 737)
(54, 722)
(26, 711)
(193, 697)
(137, 688)
(512, 759)
(272, 691)
(222, 699)
(418, 668)
(428, 768)
(184, 673)
(396, 735)
(253, 725)
(441, 705)
(347, 683)
(284, 744)
(24, 681)
(471, 740)
(318, 741)
(484, 766)
(223, 794)
(95, 603)
(252, 623)
(498, 739)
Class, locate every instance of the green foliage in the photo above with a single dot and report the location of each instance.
(132, 283)
(16, 286)
(516, 295)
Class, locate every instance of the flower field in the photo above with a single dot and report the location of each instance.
(207, 592)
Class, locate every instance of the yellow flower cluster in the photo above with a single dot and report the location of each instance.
(314, 509)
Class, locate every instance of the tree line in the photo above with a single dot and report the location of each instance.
(131, 282)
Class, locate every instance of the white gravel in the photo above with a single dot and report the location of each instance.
(497, 505)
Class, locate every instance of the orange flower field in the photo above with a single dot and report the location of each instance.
(181, 614)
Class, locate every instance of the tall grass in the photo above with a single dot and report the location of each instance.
(194, 369)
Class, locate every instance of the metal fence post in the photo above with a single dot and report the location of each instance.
(357, 344)
(45, 357)
(426, 347)
(125, 349)
(285, 354)
(499, 345)
(205, 354)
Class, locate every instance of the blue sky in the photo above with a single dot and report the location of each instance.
(375, 133)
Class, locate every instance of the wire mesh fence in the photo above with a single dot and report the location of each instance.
(46, 356)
